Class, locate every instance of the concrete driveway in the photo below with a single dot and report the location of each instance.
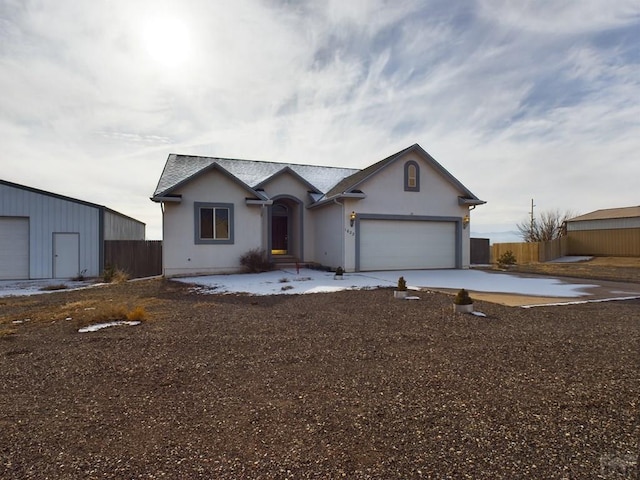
(507, 288)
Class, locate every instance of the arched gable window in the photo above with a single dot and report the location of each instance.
(411, 177)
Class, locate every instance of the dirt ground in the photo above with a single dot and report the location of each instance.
(350, 384)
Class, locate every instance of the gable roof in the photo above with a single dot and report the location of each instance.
(179, 169)
(324, 183)
(351, 183)
(609, 213)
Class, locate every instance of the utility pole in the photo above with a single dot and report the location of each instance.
(532, 220)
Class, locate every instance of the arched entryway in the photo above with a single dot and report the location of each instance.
(280, 219)
(285, 227)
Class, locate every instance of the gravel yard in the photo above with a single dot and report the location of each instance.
(350, 384)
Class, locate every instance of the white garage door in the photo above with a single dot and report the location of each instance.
(406, 244)
(14, 248)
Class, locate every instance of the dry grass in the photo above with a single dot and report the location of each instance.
(633, 262)
(114, 275)
(138, 314)
(617, 269)
(7, 332)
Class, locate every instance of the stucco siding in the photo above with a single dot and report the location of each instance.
(386, 195)
(181, 254)
(328, 238)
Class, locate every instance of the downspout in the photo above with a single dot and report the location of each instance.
(163, 239)
(342, 248)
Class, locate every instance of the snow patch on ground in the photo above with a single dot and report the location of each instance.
(571, 259)
(100, 326)
(270, 283)
(580, 302)
(14, 288)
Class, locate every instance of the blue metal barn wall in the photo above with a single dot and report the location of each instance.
(48, 215)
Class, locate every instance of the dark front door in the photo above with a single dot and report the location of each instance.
(279, 235)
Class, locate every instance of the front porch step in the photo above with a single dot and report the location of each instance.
(281, 259)
(288, 262)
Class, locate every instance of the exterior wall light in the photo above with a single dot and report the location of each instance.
(352, 218)
(465, 221)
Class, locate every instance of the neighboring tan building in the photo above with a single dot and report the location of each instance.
(613, 232)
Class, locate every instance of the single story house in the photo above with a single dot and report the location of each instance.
(608, 232)
(45, 235)
(403, 212)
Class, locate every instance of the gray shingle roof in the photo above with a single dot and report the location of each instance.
(324, 182)
(180, 168)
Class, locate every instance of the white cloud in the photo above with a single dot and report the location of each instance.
(560, 18)
(517, 99)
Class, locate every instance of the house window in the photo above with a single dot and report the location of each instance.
(411, 177)
(213, 223)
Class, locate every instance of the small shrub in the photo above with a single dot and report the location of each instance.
(402, 284)
(111, 313)
(286, 287)
(80, 277)
(138, 314)
(256, 261)
(339, 271)
(462, 298)
(283, 280)
(114, 275)
(506, 259)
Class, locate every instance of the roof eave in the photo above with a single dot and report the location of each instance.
(335, 198)
(470, 201)
(167, 198)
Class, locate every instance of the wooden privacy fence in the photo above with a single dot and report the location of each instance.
(532, 252)
(139, 258)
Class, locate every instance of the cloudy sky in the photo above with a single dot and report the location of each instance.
(517, 99)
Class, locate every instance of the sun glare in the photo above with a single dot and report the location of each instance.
(167, 41)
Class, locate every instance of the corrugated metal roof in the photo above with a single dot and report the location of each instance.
(609, 213)
(65, 198)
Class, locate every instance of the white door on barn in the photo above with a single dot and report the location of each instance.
(14, 248)
(66, 255)
(406, 244)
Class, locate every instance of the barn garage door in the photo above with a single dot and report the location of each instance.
(406, 244)
(14, 248)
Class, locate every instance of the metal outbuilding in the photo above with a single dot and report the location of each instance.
(607, 232)
(46, 235)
